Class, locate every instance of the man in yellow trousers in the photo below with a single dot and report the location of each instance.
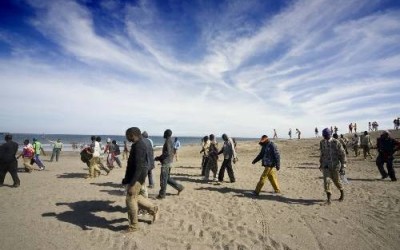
(270, 157)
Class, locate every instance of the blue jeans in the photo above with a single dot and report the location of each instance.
(165, 179)
(38, 161)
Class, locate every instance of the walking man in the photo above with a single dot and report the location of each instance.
(150, 152)
(386, 146)
(270, 157)
(366, 144)
(290, 133)
(135, 176)
(298, 132)
(332, 163)
(229, 153)
(275, 134)
(316, 132)
(356, 144)
(212, 160)
(166, 159)
(37, 146)
(8, 162)
(57, 147)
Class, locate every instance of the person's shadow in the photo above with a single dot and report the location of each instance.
(263, 196)
(83, 215)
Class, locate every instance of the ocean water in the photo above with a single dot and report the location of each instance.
(81, 140)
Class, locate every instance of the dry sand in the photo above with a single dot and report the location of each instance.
(59, 209)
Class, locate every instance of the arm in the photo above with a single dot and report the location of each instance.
(277, 157)
(259, 156)
(342, 157)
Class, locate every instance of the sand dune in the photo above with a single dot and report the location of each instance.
(58, 208)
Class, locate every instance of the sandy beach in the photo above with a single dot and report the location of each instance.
(59, 209)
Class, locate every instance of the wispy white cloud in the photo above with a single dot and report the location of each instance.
(312, 63)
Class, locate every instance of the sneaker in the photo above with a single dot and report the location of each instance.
(41, 168)
(394, 179)
(255, 193)
(16, 185)
(385, 176)
(160, 197)
(180, 190)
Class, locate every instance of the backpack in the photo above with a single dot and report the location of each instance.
(85, 156)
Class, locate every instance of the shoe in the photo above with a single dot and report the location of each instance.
(341, 196)
(160, 197)
(150, 186)
(41, 168)
(385, 176)
(16, 185)
(255, 193)
(156, 215)
(233, 181)
(394, 179)
(180, 190)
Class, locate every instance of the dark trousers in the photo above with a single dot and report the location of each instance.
(204, 165)
(165, 179)
(150, 176)
(56, 152)
(12, 168)
(226, 164)
(380, 161)
(212, 165)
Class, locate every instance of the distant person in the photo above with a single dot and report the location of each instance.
(150, 152)
(386, 146)
(275, 134)
(177, 146)
(316, 132)
(8, 162)
(375, 126)
(27, 155)
(116, 151)
(100, 159)
(332, 163)
(351, 128)
(166, 159)
(335, 130)
(229, 153)
(366, 144)
(356, 144)
(269, 154)
(298, 132)
(343, 140)
(331, 130)
(37, 146)
(212, 161)
(125, 153)
(109, 151)
(135, 176)
(355, 127)
(57, 147)
(290, 134)
(369, 126)
(205, 145)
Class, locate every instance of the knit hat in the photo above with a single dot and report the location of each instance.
(326, 132)
(263, 139)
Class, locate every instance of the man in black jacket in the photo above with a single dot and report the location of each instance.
(270, 157)
(8, 162)
(166, 159)
(150, 152)
(386, 147)
(135, 176)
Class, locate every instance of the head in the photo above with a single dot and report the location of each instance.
(8, 137)
(176, 138)
(145, 134)
(205, 138)
(335, 136)
(385, 134)
(224, 137)
(93, 138)
(365, 133)
(326, 133)
(264, 139)
(98, 139)
(34, 139)
(167, 133)
(114, 142)
(133, 134)
(26, 142)
(212, 137)
(58, 140)
(341, 136)
(108, 140)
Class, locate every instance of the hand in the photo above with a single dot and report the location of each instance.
(235, 160)
(130, 189)
(342, 171)
(253, 162)
(278, 167)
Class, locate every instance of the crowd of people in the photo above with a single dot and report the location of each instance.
(141, 162)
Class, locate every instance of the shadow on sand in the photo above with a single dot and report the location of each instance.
(263, 196)
(72, 175)
(83, 215)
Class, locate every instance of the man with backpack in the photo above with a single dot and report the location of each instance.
(270, 157)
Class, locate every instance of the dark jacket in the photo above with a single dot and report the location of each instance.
(8, 151)
(167, 155)
(136, 170)
(150, 153)
(387, 146)
(270, 155)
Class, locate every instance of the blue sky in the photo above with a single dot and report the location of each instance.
(198, 67)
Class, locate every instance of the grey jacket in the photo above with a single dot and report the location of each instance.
(167, 155)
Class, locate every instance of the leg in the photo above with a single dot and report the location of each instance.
(379, 163)
(338, 183)
(39, 162)
(327, 182)
(174, 183)
(27, 164)
(222, 171)
(58, 154)
(133, 207)
(150, 177)
(163, 181)
(13, 169)
(214, 168)
(100, 163)
(391, 172)
(229, 169)
(53, 154)
(262, 180)
(118, 161)
(207, 170)
(274, 180)
(3, 172)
